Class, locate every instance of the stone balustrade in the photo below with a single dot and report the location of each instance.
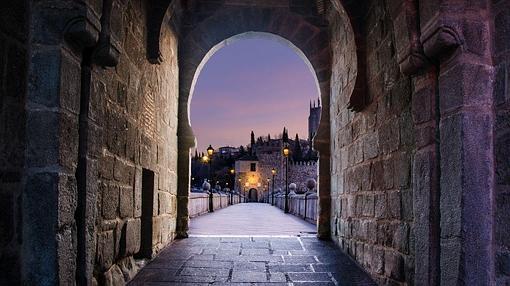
(301, 205)
(199, 202)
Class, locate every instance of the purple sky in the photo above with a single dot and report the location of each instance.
(251, 84)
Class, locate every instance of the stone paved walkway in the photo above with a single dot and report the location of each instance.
(250, 219)
(273, 260)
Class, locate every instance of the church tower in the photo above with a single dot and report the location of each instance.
(314, 119)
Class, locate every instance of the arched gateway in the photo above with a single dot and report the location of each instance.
(253, 196)
(413, 137)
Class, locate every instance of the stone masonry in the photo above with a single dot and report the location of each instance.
(372, 215)
(413, 137)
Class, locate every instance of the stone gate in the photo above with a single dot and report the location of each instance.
(95, 138)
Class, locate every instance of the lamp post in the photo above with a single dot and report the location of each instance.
(286, 153)
(273, 172)
(232, 180)
(239, 190)
(268, 180)
(210, 152)
(208, 159)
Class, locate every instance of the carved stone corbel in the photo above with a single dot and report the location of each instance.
(410, 55)
(82, 28)
(107, 51)
(441, 32)
(441, 41)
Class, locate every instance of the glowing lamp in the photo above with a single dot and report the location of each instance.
(210, 150)
(286, 151)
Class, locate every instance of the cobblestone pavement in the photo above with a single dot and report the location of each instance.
(250, 219)
(251, 259)
(259, 260)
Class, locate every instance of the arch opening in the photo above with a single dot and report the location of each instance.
(247, 36)
(283, 94)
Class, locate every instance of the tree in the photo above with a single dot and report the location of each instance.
(252, 142)
(252, 139)
(285, 136)
(297, 154)
(242, 151)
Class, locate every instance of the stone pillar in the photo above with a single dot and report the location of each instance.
(59, 31)
(426, 179)
(453, 117)
(185, 141)
(456, 35)
(322, 143)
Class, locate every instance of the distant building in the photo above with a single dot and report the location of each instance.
(227, 151)
(314, 119)
(253, 175)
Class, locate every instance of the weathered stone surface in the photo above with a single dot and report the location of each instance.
(105, 249)
(394, 265)
(114, 276)
(129, 268)
(110, 202)
(130, 241)
(126, 206)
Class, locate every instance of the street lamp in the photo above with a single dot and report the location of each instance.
(210, 150)
(208, 159)
(273, 172)
(239, 190)
(232, 180)
(232, 176)
(286, 152)
(268, 180)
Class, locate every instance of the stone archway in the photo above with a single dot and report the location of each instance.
(426, 79)
(253, 195)
(307, 34)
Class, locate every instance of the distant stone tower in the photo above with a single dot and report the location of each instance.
(314, 118)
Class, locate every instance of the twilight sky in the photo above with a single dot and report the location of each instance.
(251, 84)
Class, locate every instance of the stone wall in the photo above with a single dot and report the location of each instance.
(135, 104)
(502, 139)
(199, 202)
(13, 76)
(303, 205)
(300, 173)
(372, 151)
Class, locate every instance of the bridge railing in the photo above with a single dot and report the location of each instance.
(199, 202)
(302, 205)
